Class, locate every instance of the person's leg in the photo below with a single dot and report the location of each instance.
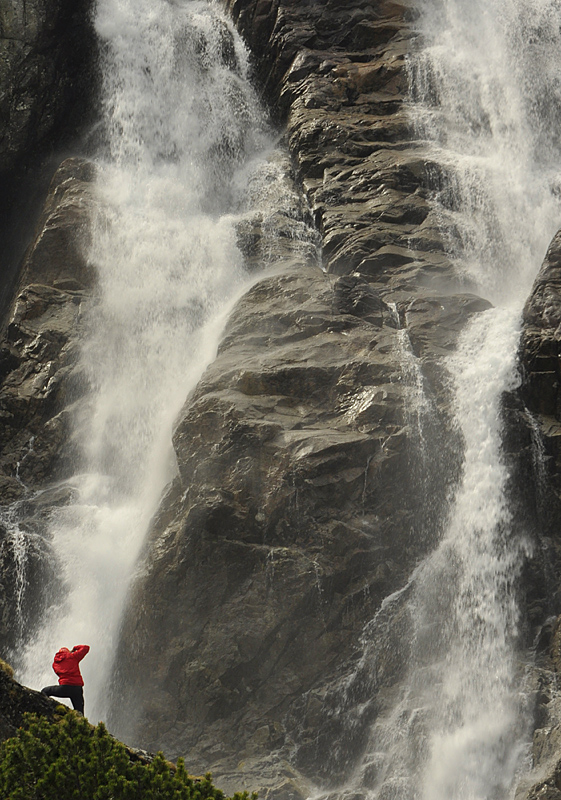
(74, 693)
(77, 697)
(55, 691)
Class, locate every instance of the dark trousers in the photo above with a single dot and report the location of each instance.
(75, 693)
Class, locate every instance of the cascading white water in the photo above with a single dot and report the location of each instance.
(473, 703)
(488, 84)
(418, 406)
(182, 130)
(489, 96)
(487, 101)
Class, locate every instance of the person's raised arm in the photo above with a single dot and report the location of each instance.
(80, 650)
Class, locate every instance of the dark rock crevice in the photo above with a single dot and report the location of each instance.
(48, 77)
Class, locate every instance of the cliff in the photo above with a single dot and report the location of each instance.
(294, 512)
(47, 89)
(309, 483)
(40, 382)
(539, 360)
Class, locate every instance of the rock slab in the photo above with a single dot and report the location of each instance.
(302, 497)
(40, 381)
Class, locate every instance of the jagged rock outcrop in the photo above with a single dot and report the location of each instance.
(39, 347)
(337, 76)
(38, 355)
(540, 350)
(294, 513)
(18, 700)
(540, 356)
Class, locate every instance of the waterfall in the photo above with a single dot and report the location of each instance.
(180, 162)
(486, 103)
(469, 657)
(419, 406)
(182, 139)
(487, 88)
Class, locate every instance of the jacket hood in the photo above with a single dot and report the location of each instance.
(62, 653)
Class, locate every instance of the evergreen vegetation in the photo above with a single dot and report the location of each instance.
(5, 667)
(71, 760)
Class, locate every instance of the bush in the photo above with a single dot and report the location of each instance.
(71, 760)
(5, 667)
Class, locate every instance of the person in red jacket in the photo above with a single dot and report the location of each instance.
(67, 667)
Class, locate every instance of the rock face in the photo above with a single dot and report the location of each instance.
(540, 351)
(45, 76)
(339, 79)
(18, 700)
(39, 383)
(47, 92)
(303, 495)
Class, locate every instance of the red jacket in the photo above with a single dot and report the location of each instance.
(66, 665)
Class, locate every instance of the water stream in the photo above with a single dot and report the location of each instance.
(486, 81)
(183, 138)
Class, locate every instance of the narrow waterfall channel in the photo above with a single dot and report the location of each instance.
(183, 138)
(486, 102)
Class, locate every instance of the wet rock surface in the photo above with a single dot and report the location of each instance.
(48, 88)
(338, 78)
(291, 519)
(39, 383)
(303, 498)
(46, 76)
(540, 350)
(540, 353)
(40, 342)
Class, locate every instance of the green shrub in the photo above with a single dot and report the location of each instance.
(71, 760)
(5, 667)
